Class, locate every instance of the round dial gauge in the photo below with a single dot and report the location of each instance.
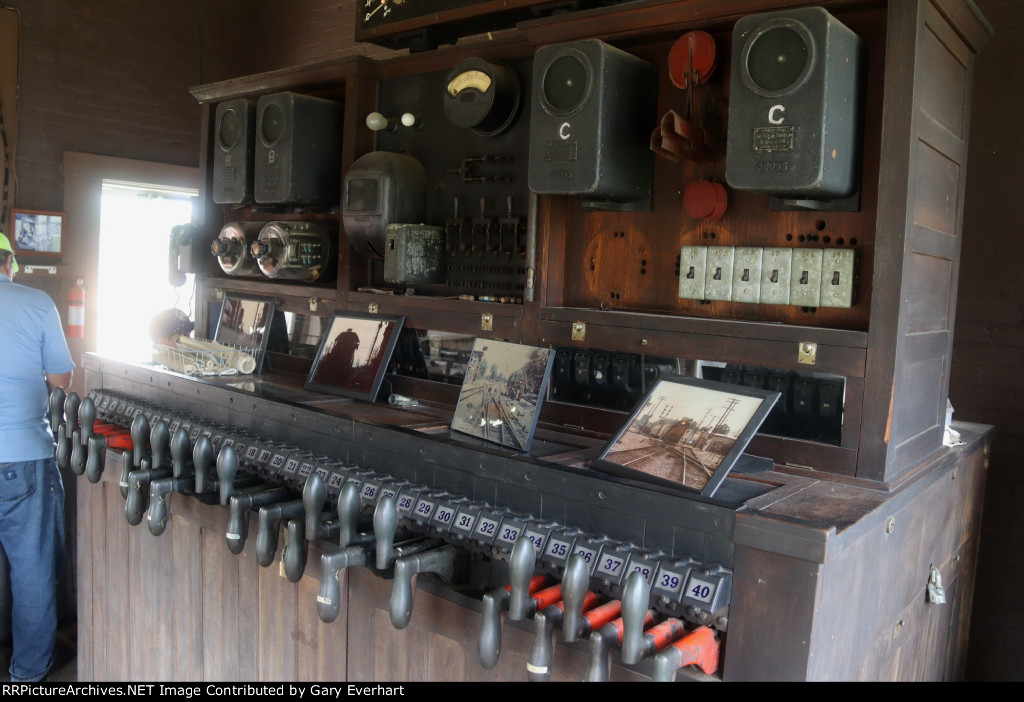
(482, 96)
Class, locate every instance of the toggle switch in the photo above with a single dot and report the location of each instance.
(718, 274)
(746, 274)
(805, 280)
(776, 270)
(693, 261)
(837, 268)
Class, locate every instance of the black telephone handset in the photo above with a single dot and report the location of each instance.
(182, 235)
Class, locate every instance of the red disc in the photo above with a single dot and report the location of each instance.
(693, 53)
(721, 202)
(700, 199)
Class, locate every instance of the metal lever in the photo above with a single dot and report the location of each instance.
(156, 516)
(385, 524)
(57, 399)
(699, 647)
(575, 582)
(521, 564)
(294, 556)
(139, 480)
(181, 455)
(448, 563)
(140, 442)
(601, 643)
(266, 527)
(71, 404)
(496, 603)
(227, 468)
(97, 455)
(77, 460)
(635, 608)
(87, 419)
(182, 480)
(542, 653)
(202, 462)
(328, 598)
(239, 506)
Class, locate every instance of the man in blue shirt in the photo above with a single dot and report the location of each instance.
(34, 358)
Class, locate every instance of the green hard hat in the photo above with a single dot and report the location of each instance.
(5, 245)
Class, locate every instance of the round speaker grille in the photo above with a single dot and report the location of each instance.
(230, 129)
(272, 124)
(566, 83)
(777, 59)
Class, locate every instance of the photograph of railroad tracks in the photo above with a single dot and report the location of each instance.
(690, 432)
(501, 395)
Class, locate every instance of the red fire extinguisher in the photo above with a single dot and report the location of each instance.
(76, 311)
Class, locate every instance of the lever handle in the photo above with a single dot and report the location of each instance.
(635, 606)
(227, 468)
(443, 562)
(138, 491)
(87, 418)
(348, 514)
(266, 537)
(294, 556)
(63, 450)
(601, 642)
(181, 454)
(156, 516)
(699, 647)
(238, 509)
(495, 603)
(542, 653)
(97, 454)
(140, 440)
(385, 524)
(314, 492)
(159, 441)
(266, 528)
(77, 461)
(57, 399)
(520, 569)
(71, 403)
(575, 583)
(202, 461)
(328, 599)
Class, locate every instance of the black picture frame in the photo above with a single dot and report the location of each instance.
(354, 354)
(687, 433)
(245, 321)
(502, 393)
(37, 233)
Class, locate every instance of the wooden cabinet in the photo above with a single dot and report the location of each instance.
(829, 554)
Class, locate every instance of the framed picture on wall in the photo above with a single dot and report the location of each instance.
(687, 433)
(354, 354)
(502, 393)
(37, 233)
(245, 322)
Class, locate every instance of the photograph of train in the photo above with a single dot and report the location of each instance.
(354, 354)
(686, 431)
(501, 395)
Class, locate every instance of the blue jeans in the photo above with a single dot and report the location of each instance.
(32, 535)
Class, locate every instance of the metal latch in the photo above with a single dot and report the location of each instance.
(312, 304)
(579, 331)
(807, 353)
(936, 593)
(486, 321)
(372, 308)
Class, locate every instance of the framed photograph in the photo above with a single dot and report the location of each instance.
(246, 322)
(502, 392)
(37, 233)
(687, 433)
(354, 354)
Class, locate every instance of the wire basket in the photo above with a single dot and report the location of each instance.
(206, 358)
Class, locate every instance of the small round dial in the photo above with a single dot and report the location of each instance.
(482, 96)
